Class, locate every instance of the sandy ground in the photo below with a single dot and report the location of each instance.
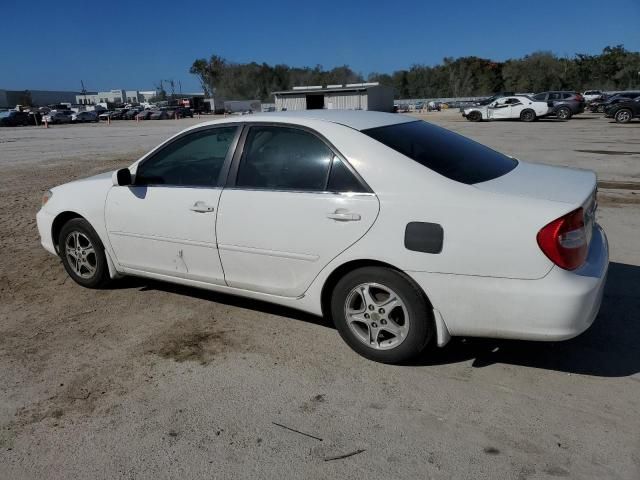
(150, 380)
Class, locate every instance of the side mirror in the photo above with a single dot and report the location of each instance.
(122, 177)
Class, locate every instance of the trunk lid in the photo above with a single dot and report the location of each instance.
(544, 182)
(574, 187)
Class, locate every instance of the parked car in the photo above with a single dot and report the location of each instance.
(434, 106)
(119, 114)
(563, 105)
(144, 114)
(306, 217)
(401, 108)
(132, 113)
(601, 107)
(184, 112)
(35, 117)
(59, 116)
(591, 95)
(161, 115)
(83, 117)
(512, 107)
(624, 112)
(13, 118)
(105, 115)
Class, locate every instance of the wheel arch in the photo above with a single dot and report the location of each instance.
(56, 227)
(442, 335)
(528, 109)
(341, 270)
(623, 109)
(59, 222)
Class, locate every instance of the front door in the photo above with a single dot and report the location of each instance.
(166, 222)
(500, 109)
(291, 208)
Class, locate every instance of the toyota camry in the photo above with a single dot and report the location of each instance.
(403, 233)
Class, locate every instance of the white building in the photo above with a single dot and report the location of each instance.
(111, 96)
(353, 96)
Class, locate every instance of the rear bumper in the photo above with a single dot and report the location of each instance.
(559, 306)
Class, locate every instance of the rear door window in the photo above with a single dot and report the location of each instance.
(447, 153)
(341, 179)
(283, 158)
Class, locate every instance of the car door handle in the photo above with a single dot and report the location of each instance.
(342, 215)
(201, 207)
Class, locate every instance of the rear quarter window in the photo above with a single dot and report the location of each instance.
(447, 153)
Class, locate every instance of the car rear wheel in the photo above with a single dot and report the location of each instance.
(528, 116)
(382, 314)
(564, 113)
(623, 116)
(82, 254)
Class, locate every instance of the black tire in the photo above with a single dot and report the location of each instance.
(624, 115)
(564, 113)
(528, 115)
(419, 323)
(474, 116)
(97, 260)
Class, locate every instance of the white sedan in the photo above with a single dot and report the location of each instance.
(513, 107)
(401, 232)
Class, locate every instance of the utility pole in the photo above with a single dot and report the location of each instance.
(84, 92)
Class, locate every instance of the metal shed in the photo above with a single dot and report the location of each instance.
(353, 96)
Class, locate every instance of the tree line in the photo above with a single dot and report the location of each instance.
(614, 69)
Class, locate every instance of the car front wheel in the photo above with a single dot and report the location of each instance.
(382, 314)
(623, 116)
(82, 254)
(474, 116)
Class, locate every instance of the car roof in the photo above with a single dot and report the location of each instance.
(356, 119)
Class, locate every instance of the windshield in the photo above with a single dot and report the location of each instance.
(447, 153)
(487, 101)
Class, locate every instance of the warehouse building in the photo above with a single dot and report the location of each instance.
(38, 98)
(353, 96)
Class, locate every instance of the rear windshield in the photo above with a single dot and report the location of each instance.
(447, 153)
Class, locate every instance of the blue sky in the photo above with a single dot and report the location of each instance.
(133, 44)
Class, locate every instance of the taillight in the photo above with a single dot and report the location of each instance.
(579, 97)
(564, 240)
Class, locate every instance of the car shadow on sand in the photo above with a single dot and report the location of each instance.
(610, 348)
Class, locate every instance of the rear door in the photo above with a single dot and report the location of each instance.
(291, 205)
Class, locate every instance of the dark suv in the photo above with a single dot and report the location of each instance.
(13, 118)
(184, 112)
(563, 105)
(624, 111)
(612, 100)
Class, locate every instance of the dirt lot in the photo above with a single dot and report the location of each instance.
(149, 380)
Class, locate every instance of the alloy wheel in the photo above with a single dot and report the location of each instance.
(81, 254)
(623, 116)
(377, 316)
